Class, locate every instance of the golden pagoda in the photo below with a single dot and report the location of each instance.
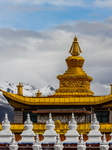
(73, 95)
(74, 82)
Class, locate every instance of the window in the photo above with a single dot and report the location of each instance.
(102, 116)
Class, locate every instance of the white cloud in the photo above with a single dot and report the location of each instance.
(32, 57)
(100, 89)
(19, 7)
(103, 3)
(51, 2)
(38, 57)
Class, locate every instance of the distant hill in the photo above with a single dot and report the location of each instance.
(28, 90)
(5, 108)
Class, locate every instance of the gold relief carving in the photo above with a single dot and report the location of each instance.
(81, 90)
(72, 83)
(76, 82)
(64, 83)
(75, 62)
(87, 84)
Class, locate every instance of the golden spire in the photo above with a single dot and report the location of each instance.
(75, 81)
(75, 49)
(20, 89)
(38, 94)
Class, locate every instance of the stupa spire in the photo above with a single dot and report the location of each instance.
(75, 49)
(75, 81)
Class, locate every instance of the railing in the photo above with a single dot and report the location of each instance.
(62, 128)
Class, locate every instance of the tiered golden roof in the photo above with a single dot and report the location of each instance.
(74, 82)
(15, 100)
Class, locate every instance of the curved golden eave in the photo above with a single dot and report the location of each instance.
(91, 100)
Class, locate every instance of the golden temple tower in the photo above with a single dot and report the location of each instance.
(74, 82)
(20, 89)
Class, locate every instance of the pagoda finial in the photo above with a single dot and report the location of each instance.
(72, 121)
(6, 121)
(75, 49)
(81, 142)
(104, 140)
(95, 121)
(58, 142)
(50, 121)
(28, 121)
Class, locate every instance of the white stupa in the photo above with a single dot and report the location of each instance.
(58, 145)
(81, 145)
(104, 145)
(5, 134)
(37, 145)
(50, 134)
(94, 136)
(13, 145)
(72, 136)
(27, 134)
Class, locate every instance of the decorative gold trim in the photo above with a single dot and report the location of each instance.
(63, 128)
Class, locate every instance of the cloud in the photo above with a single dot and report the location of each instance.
(56, 3)
(31, 57)
(103, 3)
(50, 5)
(100, 89)
(89, 28)
(30, 8)
(38, 57)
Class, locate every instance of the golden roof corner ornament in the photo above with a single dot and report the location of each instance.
(20, 89)
(75, 49)
(38, 94)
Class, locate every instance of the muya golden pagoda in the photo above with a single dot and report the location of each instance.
(73, 95)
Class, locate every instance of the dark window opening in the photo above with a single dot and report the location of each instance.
(33, 117)
(102, 116)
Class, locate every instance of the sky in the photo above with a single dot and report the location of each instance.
(36, 35)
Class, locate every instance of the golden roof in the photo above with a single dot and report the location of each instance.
(92, 100)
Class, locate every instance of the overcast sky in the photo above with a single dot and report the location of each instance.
(36, 35)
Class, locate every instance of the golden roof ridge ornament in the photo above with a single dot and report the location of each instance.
(75, 49)
(20, 89)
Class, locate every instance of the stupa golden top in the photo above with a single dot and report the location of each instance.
(74, 82)
(73, 95)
